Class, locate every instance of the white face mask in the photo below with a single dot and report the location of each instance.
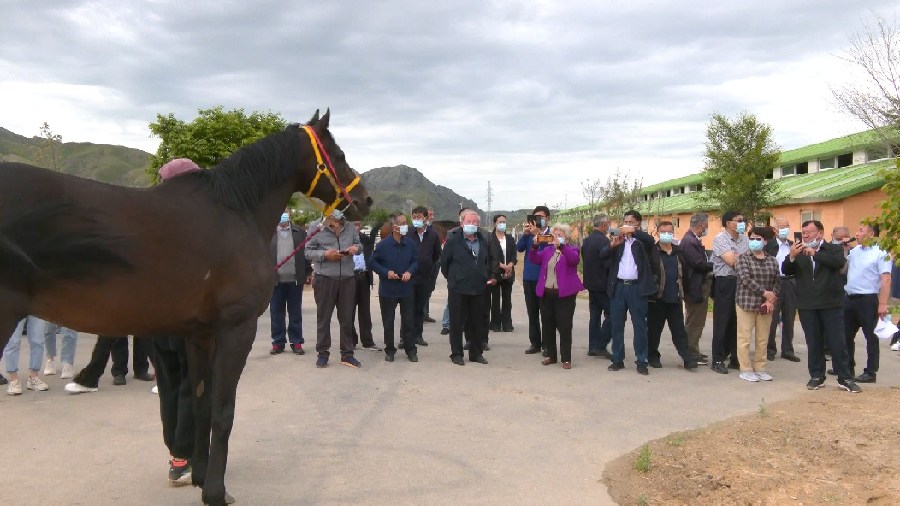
(403, 229)
(501, 226)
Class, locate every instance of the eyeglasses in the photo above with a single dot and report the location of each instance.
(741, 220)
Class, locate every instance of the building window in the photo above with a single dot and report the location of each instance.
(876, 154)
(845, 160)
(699, 188)
(675, 221)
(826, 163)
(808, 215)
(801, 168)
(788, 171)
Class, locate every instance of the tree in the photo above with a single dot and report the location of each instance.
(210, 137)
(739, 158)
(874, 98)
(49, 153)
(621, 194)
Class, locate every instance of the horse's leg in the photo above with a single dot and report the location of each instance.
(232, 347)
(199, 355)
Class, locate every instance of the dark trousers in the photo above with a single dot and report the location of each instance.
(501, 305)
(628, 298)
(287, 296)
(174, 386)
(117, 348)
(861, 312)
(331, 293)
(388, 309)
(724, 341)
(785, 311)
(599, 334)
(533, 307)
(362, 310)
(556, 315)
(823, 326)
(658, 314)
(435, 270)
(421, 293)
(467, 315)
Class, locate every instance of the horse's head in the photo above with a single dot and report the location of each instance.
(359, 199)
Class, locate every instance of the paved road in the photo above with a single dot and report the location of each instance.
(428, 433)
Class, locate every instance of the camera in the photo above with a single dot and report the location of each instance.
(544, 239)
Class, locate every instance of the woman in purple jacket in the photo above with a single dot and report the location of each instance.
(557, 286)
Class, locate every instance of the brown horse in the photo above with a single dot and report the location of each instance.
(188, 257)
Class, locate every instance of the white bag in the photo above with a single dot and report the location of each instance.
(885, 328)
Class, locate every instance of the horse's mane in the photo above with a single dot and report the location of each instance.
(240, 181)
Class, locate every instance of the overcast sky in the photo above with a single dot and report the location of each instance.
(533, 96)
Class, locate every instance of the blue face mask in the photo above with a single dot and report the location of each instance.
(812, 244)
(666, 237)
(403, 229)
(418, 223)
(470, 229)
(756, 244)
(501, 226)
(285, 217)
(783, 233)
(741, 227)
(561, 240)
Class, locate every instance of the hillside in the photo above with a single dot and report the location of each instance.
(102, 162)
(402, 187)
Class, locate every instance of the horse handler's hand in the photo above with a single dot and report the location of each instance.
(405, 277)
(333, 255)
(491, 282)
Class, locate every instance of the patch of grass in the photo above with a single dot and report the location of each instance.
(642, 463)
(642, 500)
(763, 411)
(675, 441)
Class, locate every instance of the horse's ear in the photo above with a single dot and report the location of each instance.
(314, 119)
(323, 123)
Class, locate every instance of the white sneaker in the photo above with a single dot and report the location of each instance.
(49, 367)
(68, 371)
(14, 388)
(749, 376)
(763, 376)
(154, 390)
(895, 346)
(36, 384)
(75, 388)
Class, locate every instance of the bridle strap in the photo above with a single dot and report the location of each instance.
(327, 168)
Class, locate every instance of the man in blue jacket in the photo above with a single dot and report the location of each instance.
(394, 260)
(596, 275)
(530, 273)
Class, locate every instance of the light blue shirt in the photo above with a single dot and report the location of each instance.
(866, 264)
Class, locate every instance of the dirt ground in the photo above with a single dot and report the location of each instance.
(827, 447)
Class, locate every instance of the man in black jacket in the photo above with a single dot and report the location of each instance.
(786, 306)
(465, 263)
(428, 253)
(362, 304)
(596, 275)
(697, 284)
(289, 281)
(816, 267)
(633, 278)
(665, 307)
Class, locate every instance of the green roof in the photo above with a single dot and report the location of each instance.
(672, 183)
(830, 148)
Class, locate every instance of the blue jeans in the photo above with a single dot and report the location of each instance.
(36, 331)
(445, 321)
(286, 295)
(628, 298)
(69, 340)
(599, 334)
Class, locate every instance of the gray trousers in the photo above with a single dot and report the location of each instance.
(785, 312)
(331, 293)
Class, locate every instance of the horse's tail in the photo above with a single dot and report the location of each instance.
(53, 242)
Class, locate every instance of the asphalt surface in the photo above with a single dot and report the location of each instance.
(510, 432)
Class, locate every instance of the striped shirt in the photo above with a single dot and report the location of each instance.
(755, 276)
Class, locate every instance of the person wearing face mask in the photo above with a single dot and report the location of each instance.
(445, 321)
(665, 307)
(697, 284)
(334, 285)
(728, 245)
(557, 287)
(362, 302)
(394, 260)
(816, 267)
(758, 285)
(503, 248)
(435, 269)
(287, 296)
(428, 254)
(633, 279)
(530, 273)
(596, 275)
(786, 306)
(466, 264)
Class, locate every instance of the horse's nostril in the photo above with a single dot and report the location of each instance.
(369, 200)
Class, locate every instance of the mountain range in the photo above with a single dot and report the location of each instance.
(397, 188)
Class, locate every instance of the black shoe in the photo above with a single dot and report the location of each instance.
(388, 357)
(655, 363)
(496, 328)
(703, 360)
(770, 356)
(831, 372)
(456, 359)
(276, 349)
(508, 329)
(298, 349)
(480, 359)
(815, 383)
(600, 353)
(486, 347)
(790, 356)
(428, 319)
(734, 364)
(144, 376)
(719, 367)
(616, 366)
(421, 342)
(690, 364)
(412, 357)
(642, 369)
(704, 356)
(401, 345)
(849, 386)
(445, 331)
(532, 350)
(3, 380)
(119, 380)
(865, 377)
(466, 346)
(180, 471)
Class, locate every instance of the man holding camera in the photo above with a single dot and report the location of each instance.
(536, 228)
(786, 305)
